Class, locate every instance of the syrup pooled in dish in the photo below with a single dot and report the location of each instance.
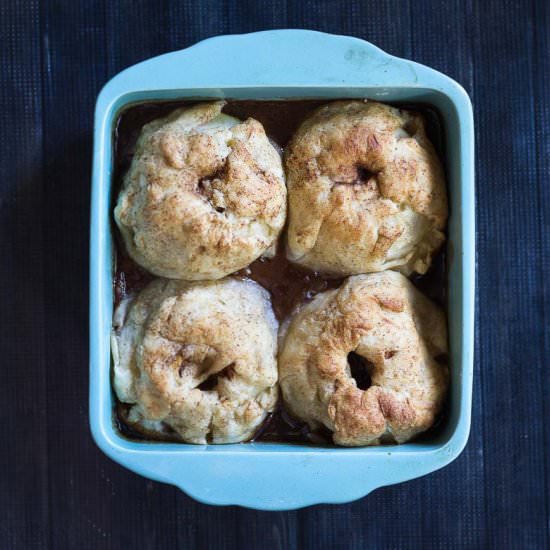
(289, 284)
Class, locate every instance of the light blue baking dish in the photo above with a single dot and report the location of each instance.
(277, 65)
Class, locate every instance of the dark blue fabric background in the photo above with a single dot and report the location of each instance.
(56, 489)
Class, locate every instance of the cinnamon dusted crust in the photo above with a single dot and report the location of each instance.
(204, 197)
(397, 331)
(198, 357)
(366, 191)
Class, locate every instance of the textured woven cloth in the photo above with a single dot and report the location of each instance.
(57, 489)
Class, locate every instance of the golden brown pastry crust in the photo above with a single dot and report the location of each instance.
(366, 191)
(204, 197)
(199, 357)
(383, 318)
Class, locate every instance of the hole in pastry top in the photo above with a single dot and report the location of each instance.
(212, 381)
(204, 183)
(360, 370)
(364, 174)
(356, 175)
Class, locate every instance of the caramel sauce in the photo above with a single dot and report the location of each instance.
(288, 283)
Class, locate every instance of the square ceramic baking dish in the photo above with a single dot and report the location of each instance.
(289, 64)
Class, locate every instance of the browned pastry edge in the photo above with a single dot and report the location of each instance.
(397, 331)
(366, 191)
